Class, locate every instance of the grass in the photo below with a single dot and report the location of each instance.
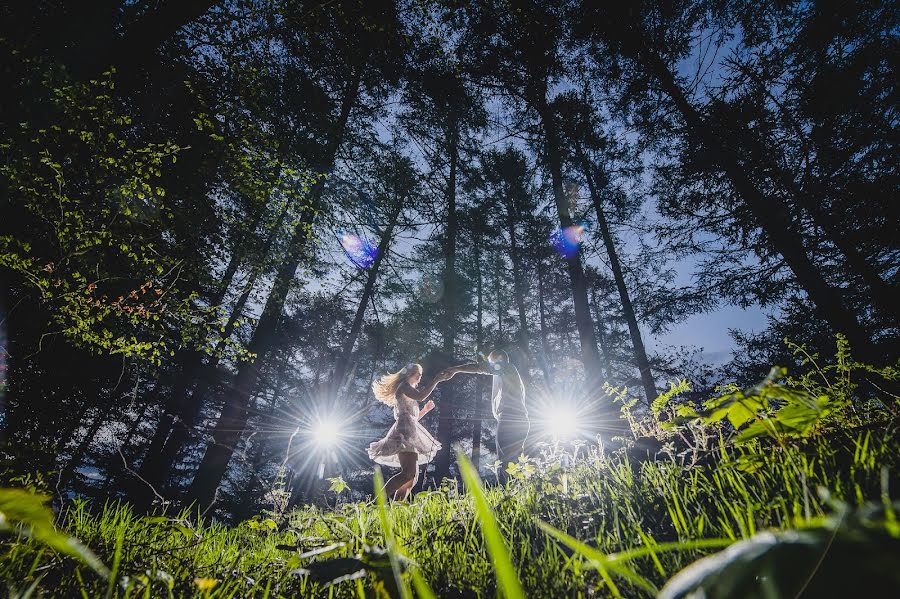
(622, 529)
(776, 457)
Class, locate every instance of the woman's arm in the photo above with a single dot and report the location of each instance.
(426, 408)
(422, 394)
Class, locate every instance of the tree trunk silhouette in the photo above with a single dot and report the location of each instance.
(546, 363)
(68, 472)
(515, 255)
(498, 295)
(189, 392)
(230, 425)
(343, 361)
(884, 296)
(478, 410)
(601, 338)
(448, 389)
(637, 342)
(771, 213)
(553, 154)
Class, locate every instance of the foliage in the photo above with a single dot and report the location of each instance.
(91, 209)
(507, 581)
(819, 400)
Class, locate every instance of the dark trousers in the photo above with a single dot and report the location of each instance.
(511, 435)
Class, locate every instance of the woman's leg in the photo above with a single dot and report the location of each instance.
(404, 491)
(408, 471)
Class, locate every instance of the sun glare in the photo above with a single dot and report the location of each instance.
(561, 423)
(326, 433)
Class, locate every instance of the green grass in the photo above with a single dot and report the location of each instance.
(623, 529)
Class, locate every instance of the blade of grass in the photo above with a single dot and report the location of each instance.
(507, 579)
(602, 561)
(614, 561)
(117, 560)
(422, 589)
(389, 541)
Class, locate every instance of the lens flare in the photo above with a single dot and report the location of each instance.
(567, 241)
(358, 250)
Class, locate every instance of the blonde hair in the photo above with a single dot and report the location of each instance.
(385, 387)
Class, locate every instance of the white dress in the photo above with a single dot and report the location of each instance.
(407, 434)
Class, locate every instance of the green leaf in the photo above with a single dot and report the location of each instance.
(26, 514)
(338, 485)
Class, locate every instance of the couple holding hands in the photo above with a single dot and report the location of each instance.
(408, 444)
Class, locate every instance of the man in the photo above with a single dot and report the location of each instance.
(507, 403)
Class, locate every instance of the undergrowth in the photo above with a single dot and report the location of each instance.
(577, 522)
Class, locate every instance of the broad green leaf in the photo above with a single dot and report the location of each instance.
(26, 514)
(338, 485)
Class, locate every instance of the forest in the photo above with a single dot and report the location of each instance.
(233, 230)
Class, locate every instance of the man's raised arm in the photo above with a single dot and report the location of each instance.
(470, 368)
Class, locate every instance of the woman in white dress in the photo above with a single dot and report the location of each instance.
(407, 444)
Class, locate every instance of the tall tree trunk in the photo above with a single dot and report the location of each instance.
(884, 296)
(184, 425)
(498, 296)
(68, 472)
(448, 389)
(343, 361)
(604, 346)
(185, 405)
(190, 361)
(478, 410)
(114, 473)
(546, 363)
(230, 425)
(771, 213)
(515, 255)
(637, 343)
(4, 356)
(589, 355)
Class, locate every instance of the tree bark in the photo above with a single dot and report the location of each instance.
(637, 343)
(771, 214)
(498, 295)
(604, 346)
(231, 422)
